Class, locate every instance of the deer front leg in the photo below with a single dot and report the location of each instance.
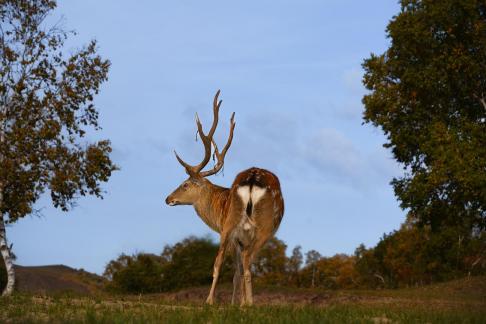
(217, 267)
(248, 294)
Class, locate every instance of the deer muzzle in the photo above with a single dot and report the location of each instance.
(171, 201)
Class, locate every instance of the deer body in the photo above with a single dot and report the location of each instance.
(246, 215)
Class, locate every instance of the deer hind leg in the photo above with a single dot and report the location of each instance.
(237, 278)
(247, 299)
(247, 257)
(217, 267)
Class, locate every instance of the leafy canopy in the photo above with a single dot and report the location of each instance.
(188, 263)
(428, 95)
(46, 107)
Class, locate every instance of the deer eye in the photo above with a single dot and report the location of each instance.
(185, 185)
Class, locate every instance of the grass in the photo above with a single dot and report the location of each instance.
(34, 309)
(462, 301)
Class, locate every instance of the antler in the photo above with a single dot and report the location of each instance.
(220, 156)
(207, 141)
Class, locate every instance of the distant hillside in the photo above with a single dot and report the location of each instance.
(60, 278)
(57, 278)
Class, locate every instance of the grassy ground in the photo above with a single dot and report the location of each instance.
(461, 301)
(25, 309)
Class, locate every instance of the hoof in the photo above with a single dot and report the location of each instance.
(210, 301)
(246, 304)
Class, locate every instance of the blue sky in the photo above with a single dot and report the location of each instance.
(291, 72)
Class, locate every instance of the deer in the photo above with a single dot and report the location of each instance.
(245, 215)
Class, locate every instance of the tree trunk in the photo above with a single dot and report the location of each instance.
(4, 248)
(7, 257)
(313, 276)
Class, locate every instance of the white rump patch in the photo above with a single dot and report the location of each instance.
(244, 193)
(256, 194)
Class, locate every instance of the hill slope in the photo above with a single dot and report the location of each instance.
(56, 278)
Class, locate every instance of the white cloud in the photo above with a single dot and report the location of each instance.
(334, 155)
(336, 158)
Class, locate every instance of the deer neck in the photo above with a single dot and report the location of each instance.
(211, 205)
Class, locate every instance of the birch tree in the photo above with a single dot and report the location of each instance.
(46, 107)
(311, 258)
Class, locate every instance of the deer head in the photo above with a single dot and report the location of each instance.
(197, 184)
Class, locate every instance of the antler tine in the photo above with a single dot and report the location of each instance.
(216, 105)
(189, 168)
(221, 156)
(206, 139)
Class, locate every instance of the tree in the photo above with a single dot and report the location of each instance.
(428, 95)
(3, 273)
(343, 271)
(270, 263)
(416, 255)
(140, 273)
(294, 264)
(184, 264)
(368, 267)
(190, 263)
(117, 265)
(3, 276)
(46, 107)
(311, 258)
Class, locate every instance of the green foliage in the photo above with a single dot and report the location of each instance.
(294, 265)
(336, 272)
(410, 256)
(137, 273)
(415, 256)
(270, 265)
(428, 95)
(190, 263)
(186, 264)
(46, 107)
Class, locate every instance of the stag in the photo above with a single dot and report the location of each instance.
(245, 215)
